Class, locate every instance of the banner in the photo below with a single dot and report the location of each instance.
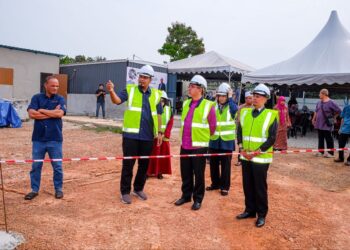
(132, 77)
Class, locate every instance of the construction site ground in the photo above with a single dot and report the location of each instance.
(309, 201)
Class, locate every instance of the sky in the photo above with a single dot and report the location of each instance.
(256, 32)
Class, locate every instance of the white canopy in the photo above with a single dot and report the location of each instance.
(326, 60)
(208, 62)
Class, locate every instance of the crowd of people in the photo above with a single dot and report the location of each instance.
(217, 126)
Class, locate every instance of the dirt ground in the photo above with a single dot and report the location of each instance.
(309, 200)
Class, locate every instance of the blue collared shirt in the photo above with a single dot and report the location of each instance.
(146, 126)
(219, 143)
(47, 129)
(345, 129)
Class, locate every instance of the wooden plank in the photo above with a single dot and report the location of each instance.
(63, 80)
(6, 76)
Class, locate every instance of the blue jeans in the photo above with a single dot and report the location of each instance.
(54, 149)
(102, 105)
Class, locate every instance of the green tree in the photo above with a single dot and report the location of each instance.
(100, 59)
(81, 59)
(66, 60)
(181, 42)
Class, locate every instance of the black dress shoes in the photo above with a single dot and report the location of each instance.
(181, 201)
(245, 215)
(196, 206)
(260, 222)
(30, 196)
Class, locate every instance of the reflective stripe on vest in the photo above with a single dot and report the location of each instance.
(132, 114)
(258, 160)
(199, 127)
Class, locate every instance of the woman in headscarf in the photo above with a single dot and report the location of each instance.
(283, 125)
(159, 166)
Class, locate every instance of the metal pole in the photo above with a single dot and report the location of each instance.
(239, 94)
(3, 197)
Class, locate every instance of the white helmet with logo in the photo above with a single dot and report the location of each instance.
(262, 89)
(146, 70)
(200, 80)
(223, 89)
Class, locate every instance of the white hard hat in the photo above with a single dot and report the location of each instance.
(262, 89)
(200, 80)
(223, 89)
(248, 93)
(147, 70)
(164, 95)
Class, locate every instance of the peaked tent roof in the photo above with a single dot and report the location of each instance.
(326, 60)
(208, 62)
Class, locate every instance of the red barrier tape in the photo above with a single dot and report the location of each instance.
(104, 158)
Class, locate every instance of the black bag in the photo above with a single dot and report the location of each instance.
(329, 120)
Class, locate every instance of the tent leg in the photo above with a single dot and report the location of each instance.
(239, 95)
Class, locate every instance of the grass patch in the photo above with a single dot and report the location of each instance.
(104, 129)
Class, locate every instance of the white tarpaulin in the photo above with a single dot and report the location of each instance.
(208, 62)
(326, 60)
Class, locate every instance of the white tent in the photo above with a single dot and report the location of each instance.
(210, 62)
(326, 60)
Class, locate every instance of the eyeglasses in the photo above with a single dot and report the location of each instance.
(144, 76)
(255, 95)
(193, 85)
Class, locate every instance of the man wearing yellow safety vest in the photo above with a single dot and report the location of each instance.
(142, 123)
(256, 134)
(198, 123)
(223, 140)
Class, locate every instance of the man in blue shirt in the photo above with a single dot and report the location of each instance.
(344, 134)
(161, 85)
(47, 110)
(138, 140)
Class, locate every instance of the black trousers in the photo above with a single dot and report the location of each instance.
(220, 180)
(132, 147)
(255, 187)
(192, 174)
(343, 138)
(325, 135)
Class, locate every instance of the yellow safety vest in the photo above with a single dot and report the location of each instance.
(200, 127)
(132, 115)
(255, 132)
(225, 125)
